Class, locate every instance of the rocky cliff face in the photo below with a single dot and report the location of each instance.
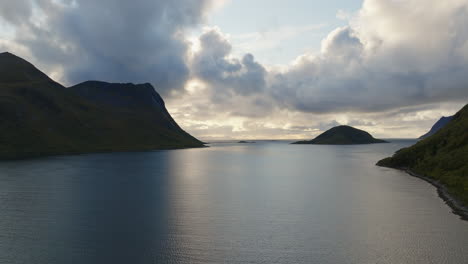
(137, 98)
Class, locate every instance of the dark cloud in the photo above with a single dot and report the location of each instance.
(253, 107)
(323, 126)
(15, 11)
(111, 40)
(385, 61)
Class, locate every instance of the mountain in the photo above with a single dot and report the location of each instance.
(437, 126)
(442, 157)
(16, 70)
(41, 117)
(343, 135)
(139, 99)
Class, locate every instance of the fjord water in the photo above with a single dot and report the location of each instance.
(268, 202)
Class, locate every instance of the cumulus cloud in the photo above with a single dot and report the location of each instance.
(384, 59)
(214, 64)
(393, 54)
(393, 59)
(112, 40)
(397, 65)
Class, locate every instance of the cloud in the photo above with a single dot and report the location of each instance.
(384, 65)
(119, 41)
(383, 60)
(397, 66)
(214, 64)
(364, 68)
(15, 11)
(273, 39)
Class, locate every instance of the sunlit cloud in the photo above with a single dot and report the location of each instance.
(384, 71)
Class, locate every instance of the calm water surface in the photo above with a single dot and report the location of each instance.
(269, 202)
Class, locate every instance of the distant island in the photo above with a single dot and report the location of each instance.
(42, 117)
(441, 159)
(437, 126)
(246, 142)
(343, 135)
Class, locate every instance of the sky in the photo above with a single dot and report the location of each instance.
(238, 69)
(277, 31)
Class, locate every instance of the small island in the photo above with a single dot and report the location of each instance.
(245, 142)
(343, 135)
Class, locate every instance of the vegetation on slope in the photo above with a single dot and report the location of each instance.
(442, 156)
(343, 135)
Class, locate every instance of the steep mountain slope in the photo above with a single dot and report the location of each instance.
(442, 156)
(41, 117)
(437, 126)
(343, 135)
(16, 70)
(137, 99)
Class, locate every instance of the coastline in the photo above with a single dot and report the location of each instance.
(457, 207)
(38, 155)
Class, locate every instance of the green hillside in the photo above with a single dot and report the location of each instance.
(442, 156)
(41, 117)
(343, 135)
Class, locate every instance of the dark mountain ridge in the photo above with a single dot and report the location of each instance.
(14, 69)
(41, 117)
(137, 98)
(121, 95)
(343, 135)
(437, 126)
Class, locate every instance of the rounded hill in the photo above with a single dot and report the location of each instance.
(343, 135)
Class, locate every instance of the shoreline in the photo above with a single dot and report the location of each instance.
(39, 155)
(457, 207)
